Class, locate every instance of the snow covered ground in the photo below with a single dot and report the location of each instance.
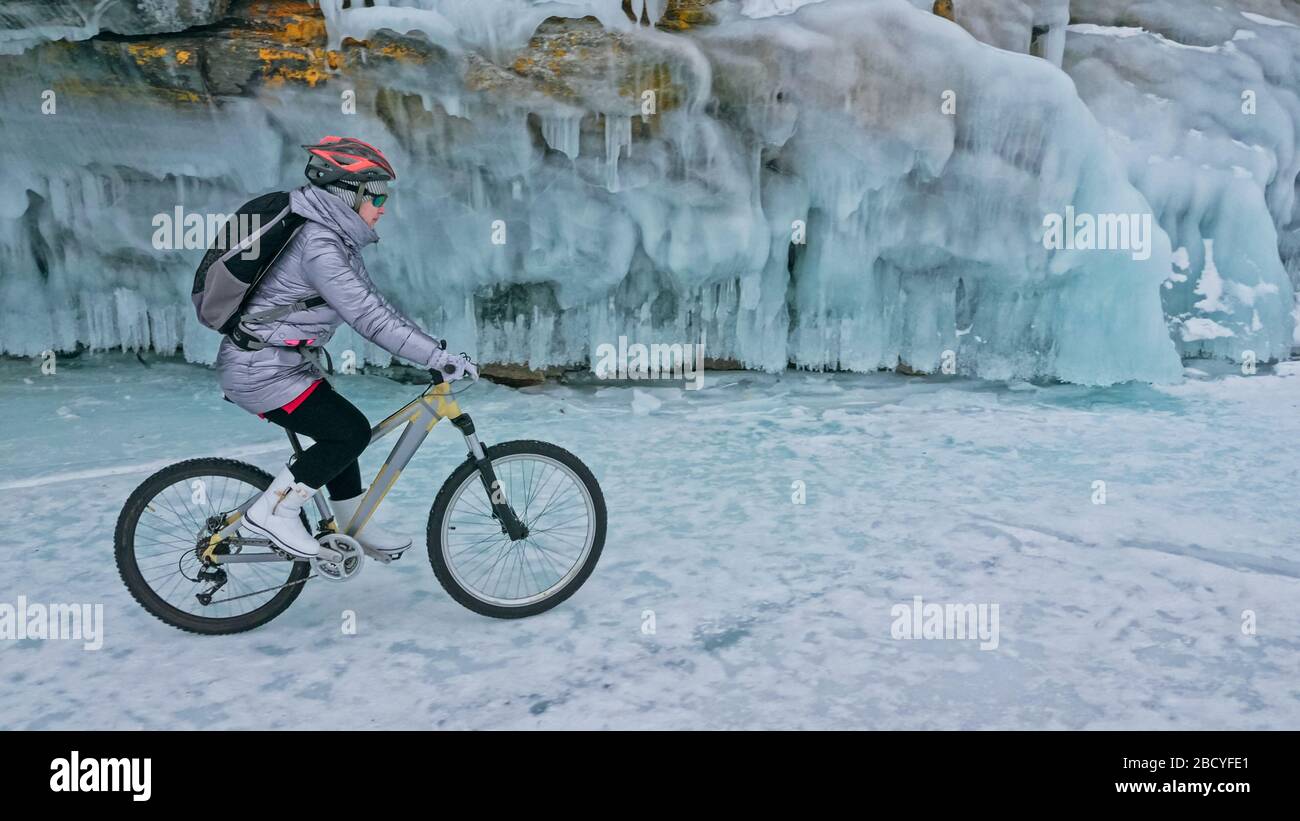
(767, 614)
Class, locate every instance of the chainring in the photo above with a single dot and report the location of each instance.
(354, 558)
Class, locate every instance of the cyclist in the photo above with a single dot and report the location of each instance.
(266, 372)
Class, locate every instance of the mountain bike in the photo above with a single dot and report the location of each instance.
(515, 530)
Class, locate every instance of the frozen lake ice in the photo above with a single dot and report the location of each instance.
(766, 613)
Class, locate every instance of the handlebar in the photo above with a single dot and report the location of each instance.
(439, 374)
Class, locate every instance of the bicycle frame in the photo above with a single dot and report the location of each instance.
(419, 416)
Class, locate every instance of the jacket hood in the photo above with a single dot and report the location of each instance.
(330, 211)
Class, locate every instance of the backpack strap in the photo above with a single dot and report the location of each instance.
(238, 317)
(283, 310)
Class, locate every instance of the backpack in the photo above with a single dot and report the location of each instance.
(240, 255)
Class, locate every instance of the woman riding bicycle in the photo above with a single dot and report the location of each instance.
(275, 380)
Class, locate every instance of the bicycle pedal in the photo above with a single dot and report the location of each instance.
(382, 557)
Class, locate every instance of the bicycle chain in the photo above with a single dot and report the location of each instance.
(259, 592)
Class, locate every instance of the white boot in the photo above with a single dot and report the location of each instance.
(373, 536)
(275, 516)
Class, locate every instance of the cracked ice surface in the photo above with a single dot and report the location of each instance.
(767, 614)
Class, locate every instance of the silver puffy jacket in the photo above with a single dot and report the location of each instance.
(323, 258)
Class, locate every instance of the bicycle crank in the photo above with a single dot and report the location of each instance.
(341, 558)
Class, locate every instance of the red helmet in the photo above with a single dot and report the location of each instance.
(346, 159)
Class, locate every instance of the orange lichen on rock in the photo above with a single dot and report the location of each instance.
(303, 29)
(292, 21)
(180, 95)
(143, 53)
(79, 87)
(684, 14)
(299, 28)
(284, 65)
(401, 51)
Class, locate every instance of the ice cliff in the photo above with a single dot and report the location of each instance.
(842, 184)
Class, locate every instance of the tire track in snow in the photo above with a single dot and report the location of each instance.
(123, 470)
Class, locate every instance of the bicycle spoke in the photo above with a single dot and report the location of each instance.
(184, 506)
(167, 557)
(552, 503)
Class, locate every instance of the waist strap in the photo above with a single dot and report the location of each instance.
(246, 342)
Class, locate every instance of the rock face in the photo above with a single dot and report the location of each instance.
(851, 185)
(516, 376)
(27, 23)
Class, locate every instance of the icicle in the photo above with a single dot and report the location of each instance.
(561, 132)
(649, 10)
(618, 136)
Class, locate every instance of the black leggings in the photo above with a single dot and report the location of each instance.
(340, 432)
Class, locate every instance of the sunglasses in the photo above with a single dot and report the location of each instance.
(377, 199)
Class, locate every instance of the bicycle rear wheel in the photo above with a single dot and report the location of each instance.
(557, 499)
(160, 537)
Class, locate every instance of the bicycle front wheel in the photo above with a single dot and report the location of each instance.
(557, 499)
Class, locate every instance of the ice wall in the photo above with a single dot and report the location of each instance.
(1201, 104)
(924, 227)
(844, 184)
(1035, 27)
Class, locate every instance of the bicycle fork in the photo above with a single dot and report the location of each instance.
(504, 513)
